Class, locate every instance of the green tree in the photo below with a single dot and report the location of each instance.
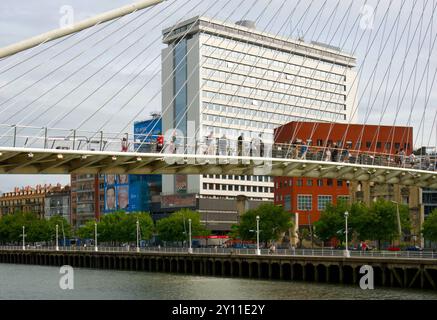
(87, 230)
(119, 227)
(175, 227)
(332, 222)
(430, 226)
(273, 221)
(384, 221)
(63, 226)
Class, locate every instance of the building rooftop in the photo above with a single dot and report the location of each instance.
(316, 50)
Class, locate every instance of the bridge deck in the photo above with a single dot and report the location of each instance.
(55, 161)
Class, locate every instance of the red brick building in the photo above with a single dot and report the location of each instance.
(309, 196)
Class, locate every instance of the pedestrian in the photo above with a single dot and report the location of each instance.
(159, 142)
(209, 145)
(303, 151)
(402, 157)
(240, 144)
(124, 145)
(412, 160)
(223, 145)
(328, 154)
(334, 154)
(261, 146)
(296, 149)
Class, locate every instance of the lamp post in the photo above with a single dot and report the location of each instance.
(95, 237)
(399, 221)
(63, 234)
(258, 251)
(138, 236)
(190, 249)
(24, 244)
(346, 252)
(57, 242)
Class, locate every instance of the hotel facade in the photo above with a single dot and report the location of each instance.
(226, 79)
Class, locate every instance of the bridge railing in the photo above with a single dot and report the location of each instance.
(62, 139)
(237, 251)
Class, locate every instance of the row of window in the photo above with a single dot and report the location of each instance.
(273, 86)
(250, 114)
(305, 202)
(279, 55)
(230, 187)
(234, 133)
(266, 94)
(242, 178)
(263, 73)
(308, 111)
(308, 183)
(20, 201)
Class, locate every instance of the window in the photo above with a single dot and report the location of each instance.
(320, 183)
(329, 183)
(323, 201)
(299, 182)
(304, 202)
(309, 182)
(287, 202)
(342, 198)
(339, 183)
(368, 144)
(378, 145)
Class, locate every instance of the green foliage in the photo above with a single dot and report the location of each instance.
(273, 220)
(36, 230)
(377, 222)
(430, 226)
(385, 223)
(175, 227)
(332, 222)
(119, 227)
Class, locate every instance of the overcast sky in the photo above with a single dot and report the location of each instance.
(392, 41)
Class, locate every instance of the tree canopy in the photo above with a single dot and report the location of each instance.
(376, 222)
(36, 230)
(119, 227)
(175, 227)
(273, 221)
(430, 226)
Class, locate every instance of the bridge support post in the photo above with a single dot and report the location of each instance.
(340, 274)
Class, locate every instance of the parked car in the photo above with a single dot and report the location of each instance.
(413, 248)
(393, 248)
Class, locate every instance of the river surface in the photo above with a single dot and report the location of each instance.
(42, 282)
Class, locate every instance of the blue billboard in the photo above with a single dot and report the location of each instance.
(145, 134)
(133, 193)
(130, 193)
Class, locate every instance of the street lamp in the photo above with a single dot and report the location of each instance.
(346, 252)
(399, 221)
(24, 244)
(258, 251)
(57, 242)
(138, 236)
(190, 250)
(95, 237)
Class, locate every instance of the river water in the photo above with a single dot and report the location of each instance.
(42, 282)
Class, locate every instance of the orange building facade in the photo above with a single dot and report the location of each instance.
(309, 196)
